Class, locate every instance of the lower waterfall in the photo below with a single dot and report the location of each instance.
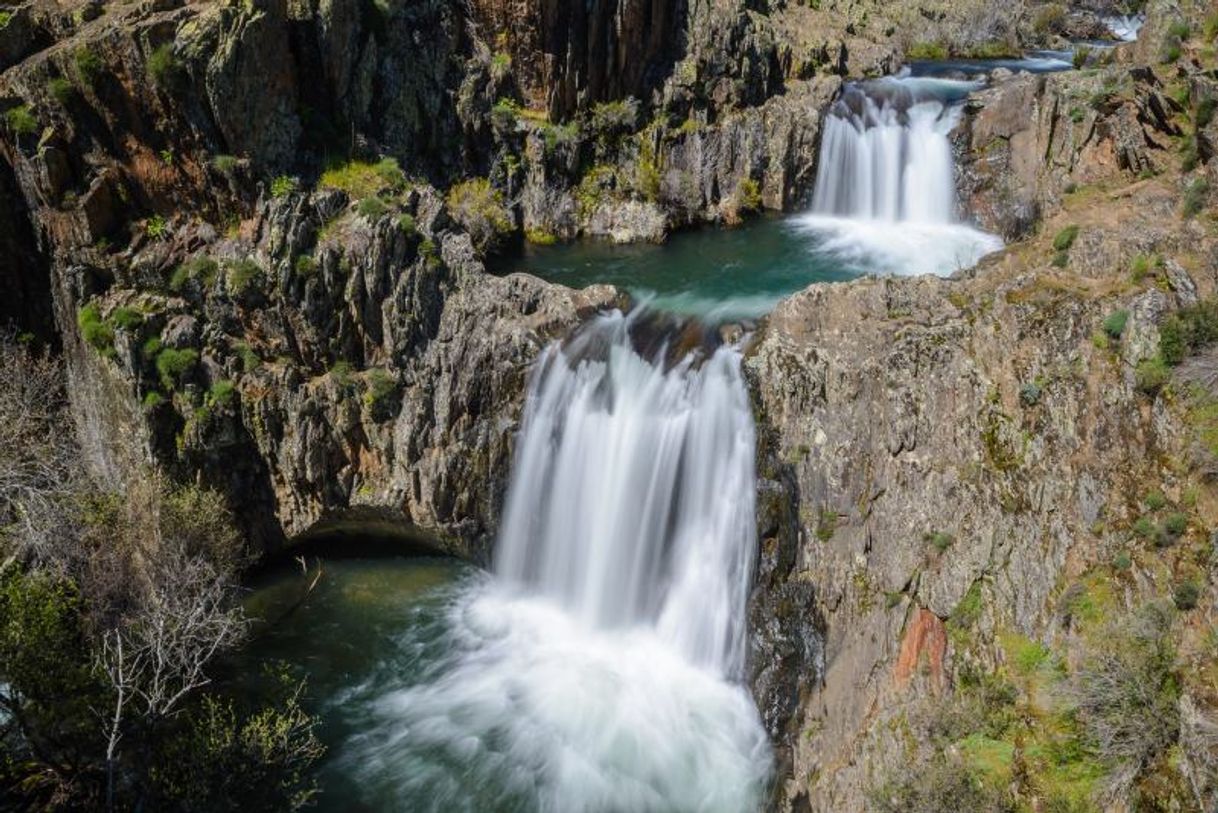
(598, 669)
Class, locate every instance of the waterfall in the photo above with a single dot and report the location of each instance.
(885, 194)
(1125, 27)
(632, 500)
(885, 154)
(599, 668)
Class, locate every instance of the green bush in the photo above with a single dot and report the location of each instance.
(372, 208)
(1151, 375)
(127, 319)
(62, 90)
(406, 224)
(1051, 19)
(284, 185)
(504, 115)
(1114, 325)
(1065, 238)
(222, 394)
(151, 348)
(249, 359)
(174, 365)
(540, 237)
(1195, 196)
(1188, 330)
(1176, 524)
(97, 334)
(20, 120)
(612, 119)
(940, 540)
(380, 391)
(153, 400)
(156, 227)
(1205, 112)
(163, 67)
(197, 269)
(305, 266)
(748, 195)
(1179, 29)
(242, 276)
(931, 51)
(226, 165)
(1155, 500)
(1122, 561)
(1144, 527)
(1186, 595)
(88, 65)
(1061, 259)
(362, 179)
(6, 17)
(480, 208)
(1029, 394)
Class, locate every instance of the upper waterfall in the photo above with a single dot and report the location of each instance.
(885, 194)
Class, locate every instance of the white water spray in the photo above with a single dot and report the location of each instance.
(885, 191)
(1125, 27)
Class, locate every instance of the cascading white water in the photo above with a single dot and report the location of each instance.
(599, 670)
(1125, 27)
(632, 500)
(885, 191)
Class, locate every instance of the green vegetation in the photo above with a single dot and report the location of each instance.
(109, 644)
(226, 165)
(362, 179)
(164, 68)
(372, 208)
(305, 266)
(127, 319)
(1114, 325)
(1188, 330)
(6, 17)
(407, 225)
(175, 365)
(96, 333)
(540, 237)
(611, 120)
(826, 524)
(222, 394)
(200, 269)
(1050, 19)
(156, 227)
(1195, 196)
(242, 277)
(88, 65)
(1186, 595)
(1030, 393)
(249, 359)
(20, 121)
(380, 393)
(62, 90)
(284, 185)
(1065, 238)
(748, 195)
(930, 51)
(505, 114)
(940, 540)
(1154, 500)
(479, 207)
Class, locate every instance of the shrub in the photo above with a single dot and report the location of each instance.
(1195, 196)
(1155, 500)
(612, 119)
(153, 400)
(1186, 595)
(932, 51)
(163, 67)
(1144, 527)
(62, 90)
(1051, 19)
(1065, 238)
(380, 393)
(1188, 330)
(942, 785)
(1061, 259)
(1176, 524)
(127, 319)
(940, 540)
(429, 253)
(222, 394)
(226, 165)
(1081, 54)
(372, 208)
(305, 266)
(406, 224)
(540, 237)
(249, 359)
(1114, 325)
(1205, 112)
(20, 120)
(479, 207)
(1122, 561)
(362, 179)
(504, 115)
(748, 195)
(242, 276)
(1029, 394)
(151, 348)
(200, 268)
(6, 17)
(1151, 375)
(1126, 691)
(88, 65)
(174, 365)
(284, 185)
(96, 333)
(1179, 29)
(826, 525)
(1140, 268)
(156, 227)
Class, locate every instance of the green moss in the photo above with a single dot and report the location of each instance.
(156, 227)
